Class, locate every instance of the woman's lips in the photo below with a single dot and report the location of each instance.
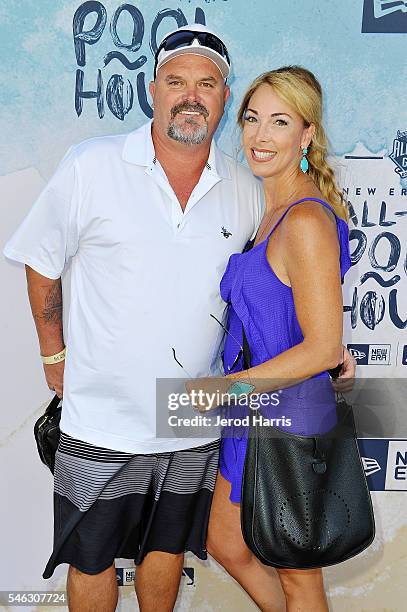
(262, 155)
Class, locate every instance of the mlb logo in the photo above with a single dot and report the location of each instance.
(379, 354)
(404, 358)
(384, 16)
(360, 352)
(396, 473)
(399, 154)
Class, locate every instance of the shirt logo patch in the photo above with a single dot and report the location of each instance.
(225, 232)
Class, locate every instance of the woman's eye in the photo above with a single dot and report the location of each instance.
(281, 122)
(250, 118)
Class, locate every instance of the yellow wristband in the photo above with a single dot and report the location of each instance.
(54, 358)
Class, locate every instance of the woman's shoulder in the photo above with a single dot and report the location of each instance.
(311, 213)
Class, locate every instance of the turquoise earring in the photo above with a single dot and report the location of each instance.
(304, 161)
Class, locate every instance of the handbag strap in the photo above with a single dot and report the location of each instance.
(53, 405)
(247, 356)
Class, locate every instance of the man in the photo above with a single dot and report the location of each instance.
(146, 223)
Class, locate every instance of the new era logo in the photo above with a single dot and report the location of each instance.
(360, 352)
(358, 355)
(371, 466)
(371, 354)
(125, 575)
(385, 16)
(386, 7)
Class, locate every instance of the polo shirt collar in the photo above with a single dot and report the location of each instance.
(139, 149)
(216, 163)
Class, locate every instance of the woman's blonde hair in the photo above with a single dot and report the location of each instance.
(302, 91)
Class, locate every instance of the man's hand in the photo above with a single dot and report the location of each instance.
(54, 374)
(345, 380)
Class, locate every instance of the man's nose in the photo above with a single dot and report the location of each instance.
(191, 93)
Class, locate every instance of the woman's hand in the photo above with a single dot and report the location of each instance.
(208, 393)
(345, 380)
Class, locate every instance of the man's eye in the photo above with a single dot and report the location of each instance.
(175, 82)
(207, 85)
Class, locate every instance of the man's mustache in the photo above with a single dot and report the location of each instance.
(185, 106)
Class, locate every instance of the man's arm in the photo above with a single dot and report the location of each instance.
(45, 295)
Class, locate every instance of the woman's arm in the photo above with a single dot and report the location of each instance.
(310, 253)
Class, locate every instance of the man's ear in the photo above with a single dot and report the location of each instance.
(151, 89)
(226, 93)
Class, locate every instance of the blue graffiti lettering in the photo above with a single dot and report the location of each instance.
(394, 255)
(356, 234)
(90, 37)
(142, 95)
(80, 94)
(138, 28)
(119, 92)
(365, 215)
(372, 309)
(176, 14)
(375, 276)
(119, 96)
(393, 310)
(138, 63)
(382, 217)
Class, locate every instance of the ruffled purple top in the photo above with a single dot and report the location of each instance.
(264, 305)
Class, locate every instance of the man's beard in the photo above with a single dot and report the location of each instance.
(190, 136)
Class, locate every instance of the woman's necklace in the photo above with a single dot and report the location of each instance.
(266, 227)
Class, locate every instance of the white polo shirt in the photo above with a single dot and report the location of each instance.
(144, 278)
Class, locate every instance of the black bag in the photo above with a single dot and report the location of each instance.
(305, 501)
(47, 432)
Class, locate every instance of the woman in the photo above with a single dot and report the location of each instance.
(286, 291)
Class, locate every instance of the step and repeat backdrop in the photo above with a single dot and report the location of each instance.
(72, 70)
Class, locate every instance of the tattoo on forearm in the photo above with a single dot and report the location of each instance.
(52, 312)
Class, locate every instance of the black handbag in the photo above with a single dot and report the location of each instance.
(47, 432)
(305, 501)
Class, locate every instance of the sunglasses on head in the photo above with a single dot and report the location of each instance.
(185, 38)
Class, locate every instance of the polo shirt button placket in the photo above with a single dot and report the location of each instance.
(177, 217)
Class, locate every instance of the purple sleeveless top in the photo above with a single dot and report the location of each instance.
(264, 305)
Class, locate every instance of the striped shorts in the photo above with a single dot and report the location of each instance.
(109, 504)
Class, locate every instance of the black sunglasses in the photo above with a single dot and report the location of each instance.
(238, 356)
(185, 38)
